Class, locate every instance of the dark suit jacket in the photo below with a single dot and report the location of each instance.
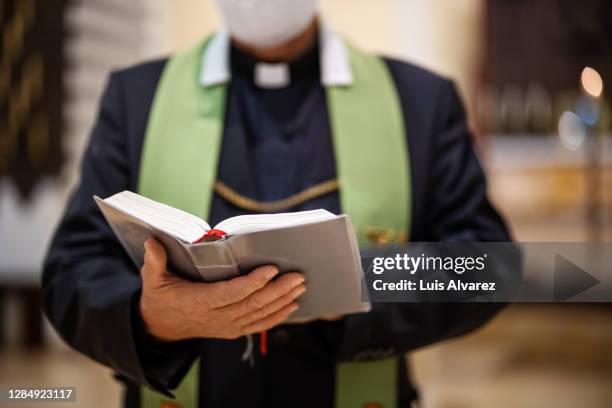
(91, 289)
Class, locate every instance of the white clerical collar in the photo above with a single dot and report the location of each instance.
(334, 60)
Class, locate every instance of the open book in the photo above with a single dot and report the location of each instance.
(191, 229)
(317, 243)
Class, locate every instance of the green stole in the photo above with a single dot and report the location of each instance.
(179, 164)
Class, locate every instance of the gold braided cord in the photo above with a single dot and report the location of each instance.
(246, 203)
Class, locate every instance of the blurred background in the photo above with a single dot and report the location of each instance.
(533, 74)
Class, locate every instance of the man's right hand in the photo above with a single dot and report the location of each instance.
(175, 309)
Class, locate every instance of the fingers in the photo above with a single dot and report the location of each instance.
(234, 290)
(272, 320)
(271, 307)
(266, 295)
(155, 259)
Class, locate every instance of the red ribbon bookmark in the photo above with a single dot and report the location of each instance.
(263, 342)
(212, 233)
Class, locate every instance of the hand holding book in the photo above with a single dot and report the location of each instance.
(176, 309)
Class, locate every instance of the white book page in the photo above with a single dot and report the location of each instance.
(181, 224)
(260, 222)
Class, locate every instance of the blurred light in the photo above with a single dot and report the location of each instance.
(587, 109)
(572, 131)
(591, 82)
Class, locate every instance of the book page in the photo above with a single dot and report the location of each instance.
(259, 222)
(180, 224)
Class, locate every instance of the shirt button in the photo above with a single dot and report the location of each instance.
(280, 337)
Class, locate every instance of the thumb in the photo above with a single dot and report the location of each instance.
(155, 260)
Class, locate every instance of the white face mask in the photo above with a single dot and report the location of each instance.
(267, 23)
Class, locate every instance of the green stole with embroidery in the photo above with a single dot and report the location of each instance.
(179, 164)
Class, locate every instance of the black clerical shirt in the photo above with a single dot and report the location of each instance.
(276, 141)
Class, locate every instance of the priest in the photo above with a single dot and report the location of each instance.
(275, 113)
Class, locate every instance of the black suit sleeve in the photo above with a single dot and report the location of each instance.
(91, 288)
(457, 209)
